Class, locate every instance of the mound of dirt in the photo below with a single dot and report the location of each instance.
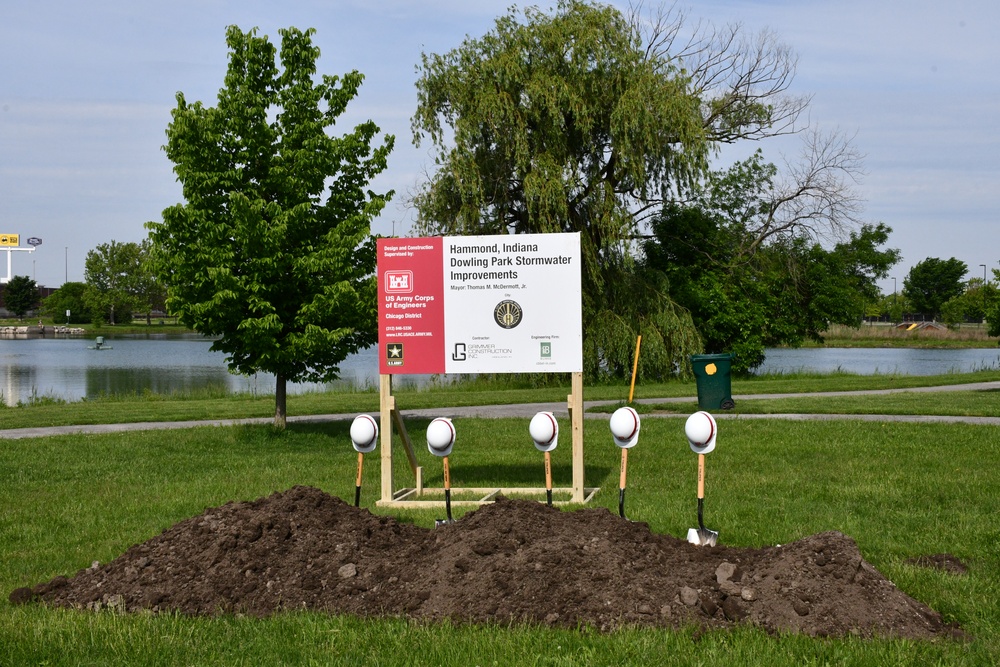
(510, 561)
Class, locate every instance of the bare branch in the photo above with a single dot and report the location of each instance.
(743, 80)
(817, 196)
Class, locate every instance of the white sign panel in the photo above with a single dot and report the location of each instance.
(512, 304)
(480, 304)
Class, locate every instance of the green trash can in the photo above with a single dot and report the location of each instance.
(715, 386)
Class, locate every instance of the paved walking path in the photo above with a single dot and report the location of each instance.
(527, 410)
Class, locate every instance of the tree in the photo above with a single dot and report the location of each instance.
(150, 292)
(744, 258)
(272, 250)
(741, 79)
(20, 295)
(972, 305)
(932, 282)
(114, 272)
(784, 294)
(68, 297)
(992, 310)
(585, 121)
(888, 307)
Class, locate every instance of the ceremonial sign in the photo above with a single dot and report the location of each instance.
(480, 304)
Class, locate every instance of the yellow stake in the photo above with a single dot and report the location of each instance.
(635, 366)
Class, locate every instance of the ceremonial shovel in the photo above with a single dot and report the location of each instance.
(625, 432)
(440, 441)
(544, 430)
(364, 437)
(701, 431)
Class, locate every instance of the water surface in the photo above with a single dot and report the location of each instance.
(70, 369)
(881, 361)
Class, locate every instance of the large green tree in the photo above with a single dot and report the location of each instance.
(117, 275)
(743, 258)
(932, 282)
(272, 250)
(580, 121)
(972, 305)
(69, 297)
(20, 295)
(150, 292)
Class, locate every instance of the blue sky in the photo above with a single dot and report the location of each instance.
(86, 91)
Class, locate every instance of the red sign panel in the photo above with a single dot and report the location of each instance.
(411, 306)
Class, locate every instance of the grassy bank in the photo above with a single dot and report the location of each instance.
(900, 490)
(137, 326)
(888, 335)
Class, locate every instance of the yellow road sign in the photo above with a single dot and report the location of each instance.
(10, 239)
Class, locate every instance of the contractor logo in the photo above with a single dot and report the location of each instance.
(507, 314)
(459, 354)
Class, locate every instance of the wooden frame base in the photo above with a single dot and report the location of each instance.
(412, 496)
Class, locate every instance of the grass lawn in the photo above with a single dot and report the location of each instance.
(978, 403)
(900, 490)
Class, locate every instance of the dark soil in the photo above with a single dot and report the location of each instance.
(947, 562)
(510, 561)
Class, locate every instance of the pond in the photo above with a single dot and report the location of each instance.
(881, 361)
(71, 369)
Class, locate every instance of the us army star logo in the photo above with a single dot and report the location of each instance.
(394, 354)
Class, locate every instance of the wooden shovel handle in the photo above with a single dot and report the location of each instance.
(621, 482)
(548, 471)
(447, 475)
(361, 460)
(701, 476)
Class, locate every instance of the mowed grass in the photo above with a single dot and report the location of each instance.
(900, 490)
(965, 403)
(985, 403)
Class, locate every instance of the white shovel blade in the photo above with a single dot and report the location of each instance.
(709, 538)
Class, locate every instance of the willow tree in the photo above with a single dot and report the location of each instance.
(272, 250)
(580, 121)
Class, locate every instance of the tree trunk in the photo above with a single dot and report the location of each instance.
(279, 401)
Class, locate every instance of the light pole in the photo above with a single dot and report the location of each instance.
(894, 298)
(984, 291)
